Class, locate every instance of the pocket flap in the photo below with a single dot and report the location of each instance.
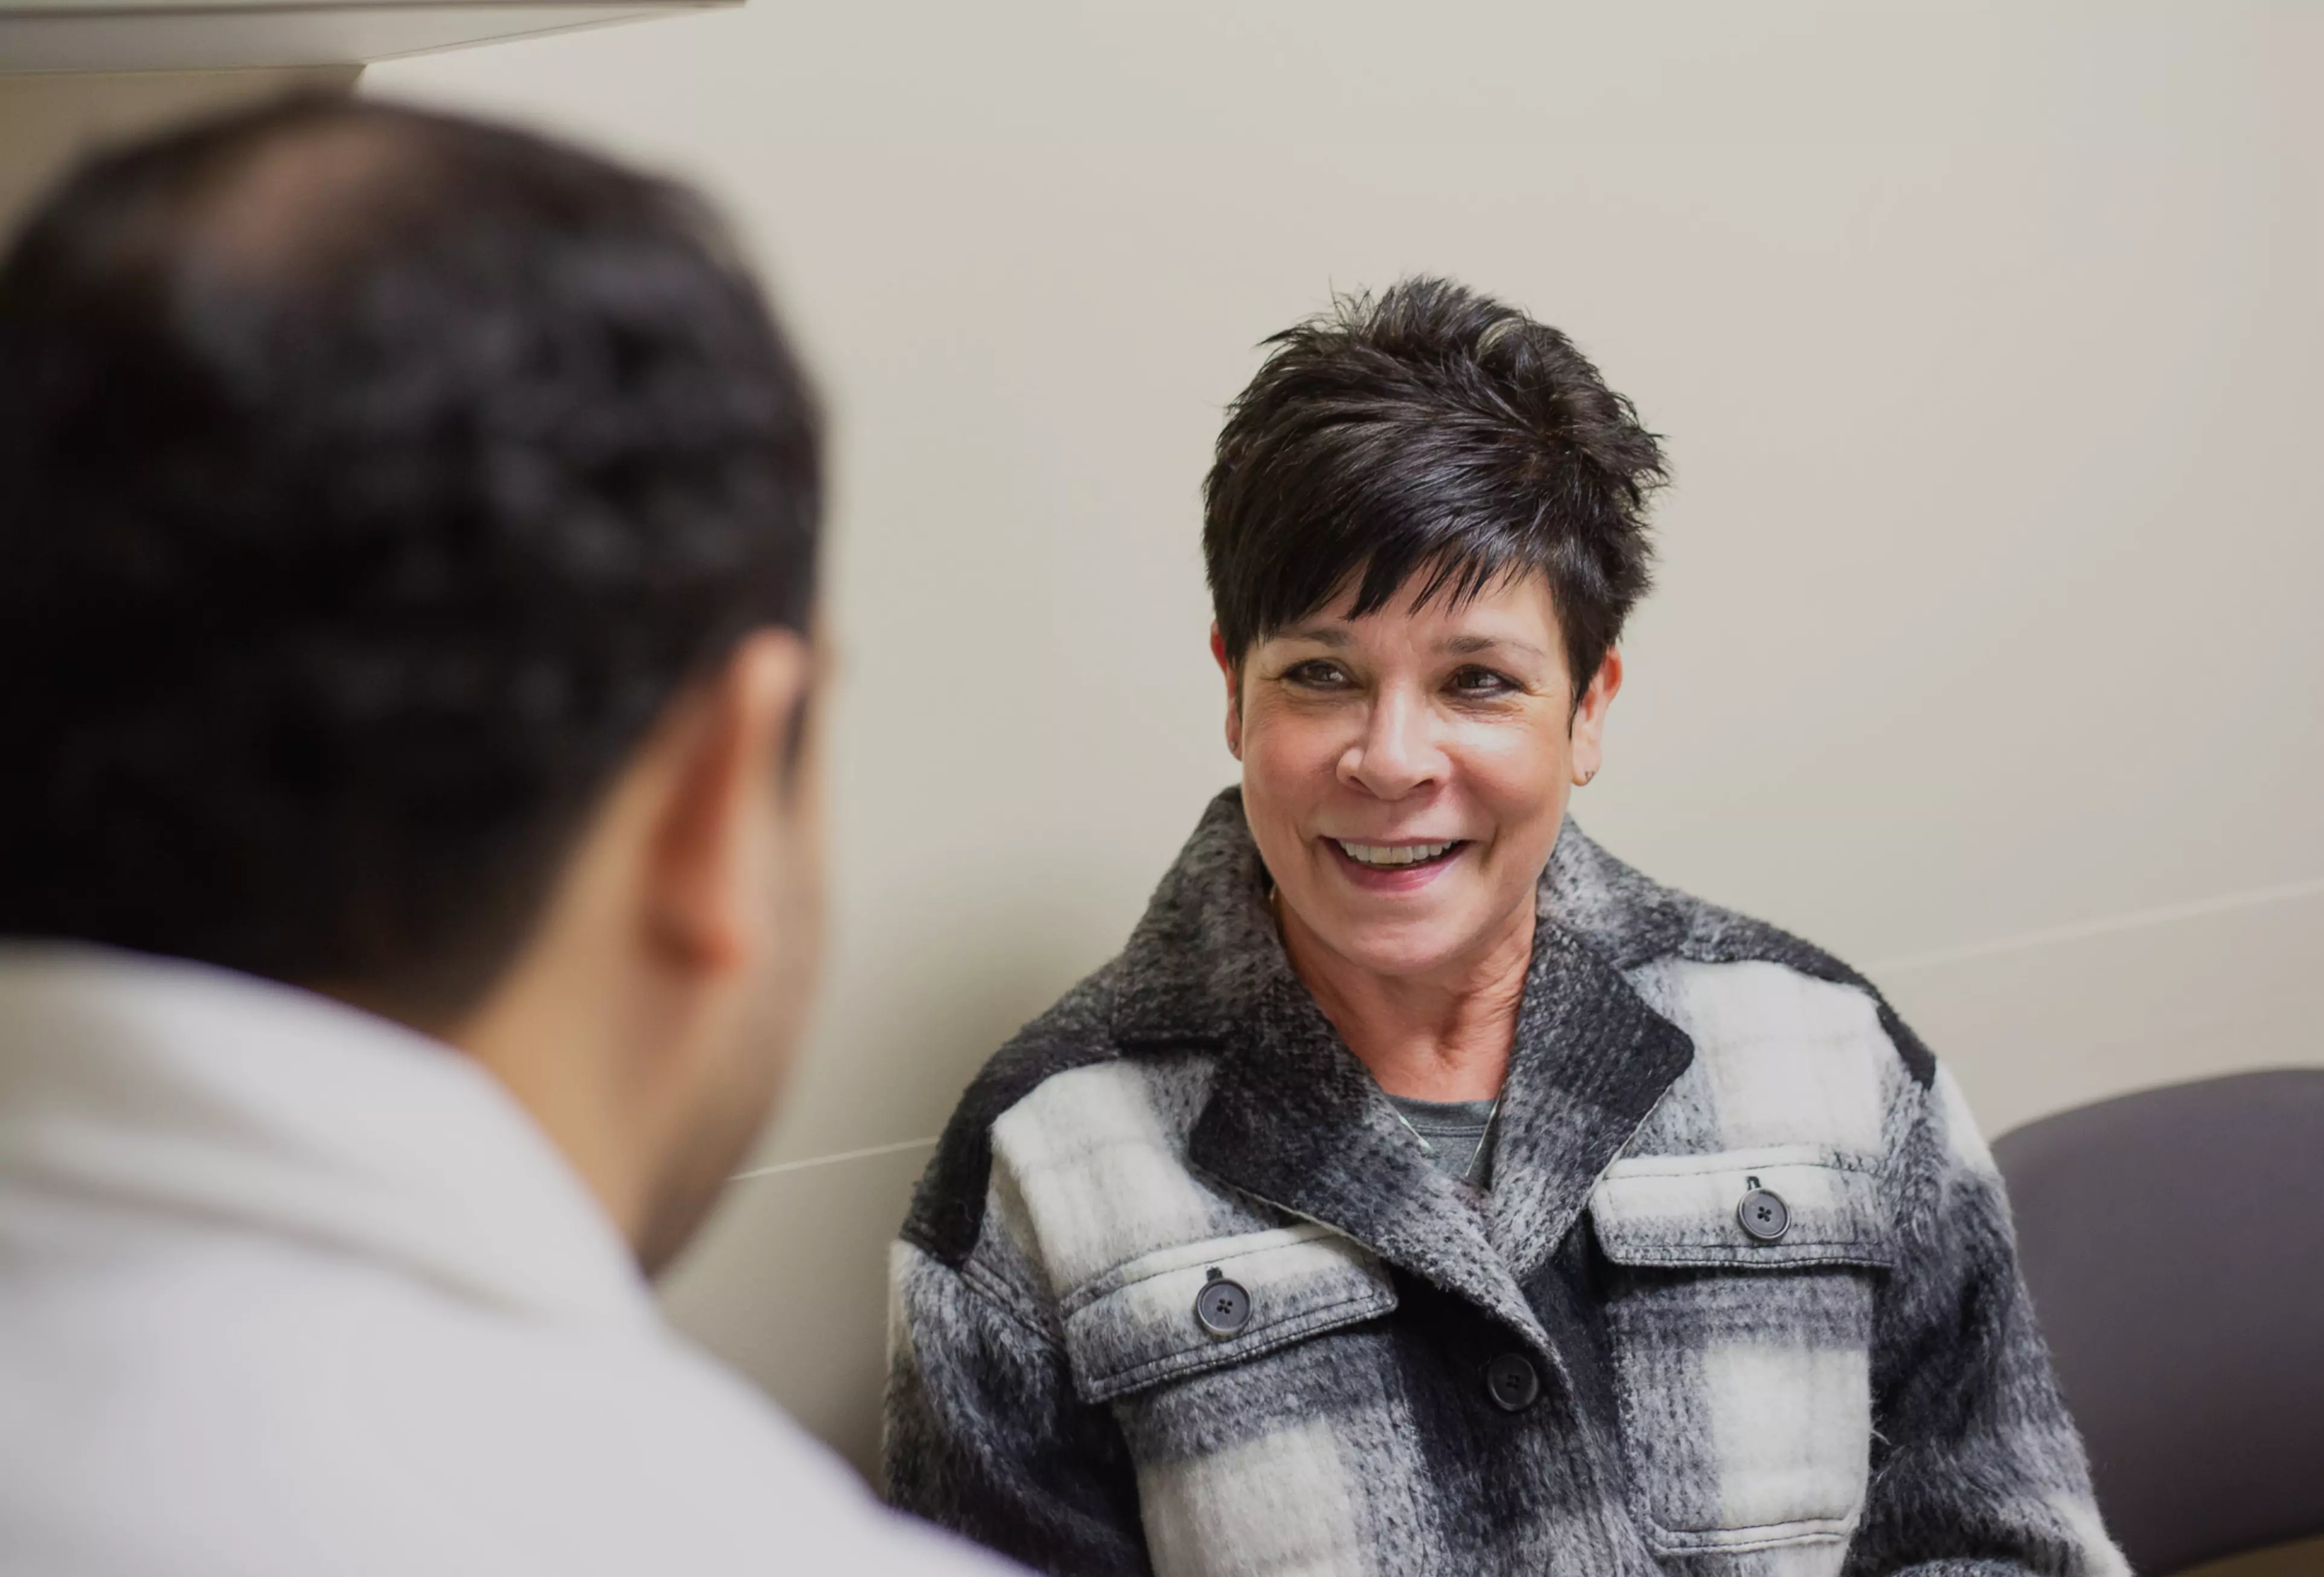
(1137, 1324)
(1687, 1210)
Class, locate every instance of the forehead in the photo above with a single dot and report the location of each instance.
(1514, 612)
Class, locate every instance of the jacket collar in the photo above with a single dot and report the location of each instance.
(198, 1095)
(1294, 1120)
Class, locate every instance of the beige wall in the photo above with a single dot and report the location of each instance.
(1987, 344)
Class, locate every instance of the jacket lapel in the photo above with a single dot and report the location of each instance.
(1590, 1060)
(1295, 1121)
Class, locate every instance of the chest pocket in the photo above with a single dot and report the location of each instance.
(1739, 1306)
(1184, 1311)
(1236, 1368)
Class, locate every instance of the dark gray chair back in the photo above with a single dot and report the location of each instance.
(2174, 1243)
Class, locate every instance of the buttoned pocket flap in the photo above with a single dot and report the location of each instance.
(1741, 1208)
(1140, 1323)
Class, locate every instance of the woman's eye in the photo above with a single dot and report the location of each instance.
(1317, 674)
(1481, 681)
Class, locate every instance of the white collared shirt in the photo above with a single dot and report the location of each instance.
(286, 1288)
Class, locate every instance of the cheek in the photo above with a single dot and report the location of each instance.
(1520, 774)
(1287, 759)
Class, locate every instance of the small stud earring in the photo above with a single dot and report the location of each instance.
(1583, 780)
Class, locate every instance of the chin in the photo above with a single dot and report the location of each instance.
(1397, 948)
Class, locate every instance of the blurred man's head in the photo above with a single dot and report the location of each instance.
(408, 538)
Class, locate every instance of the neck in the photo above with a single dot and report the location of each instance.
(558, 1047)
(1444, 1035)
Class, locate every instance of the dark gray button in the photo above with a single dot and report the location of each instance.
(1221, 1307)
(1512, 1382)
(1764, 1214)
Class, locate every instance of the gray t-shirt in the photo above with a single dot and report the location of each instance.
(1453, 1132)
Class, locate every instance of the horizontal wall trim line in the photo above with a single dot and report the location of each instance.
(867, 1153)
(2132, 920)
(2111, 925)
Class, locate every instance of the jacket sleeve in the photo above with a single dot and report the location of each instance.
(1976, 1466)
(984, 1433)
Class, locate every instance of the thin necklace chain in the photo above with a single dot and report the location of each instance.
(1484, 1138)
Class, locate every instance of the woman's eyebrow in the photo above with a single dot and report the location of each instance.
(1335, 636)
(1469, 645)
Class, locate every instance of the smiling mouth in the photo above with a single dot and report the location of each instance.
(1398, 856)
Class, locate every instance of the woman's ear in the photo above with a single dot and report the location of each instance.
(1589, 726)
(1234, 690)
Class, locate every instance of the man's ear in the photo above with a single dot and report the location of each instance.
(1589, 725)
(729, 744)
(1234, 690)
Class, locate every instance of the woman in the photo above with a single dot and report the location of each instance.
(1422, 1190)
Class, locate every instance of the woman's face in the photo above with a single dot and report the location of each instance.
(1405, 773)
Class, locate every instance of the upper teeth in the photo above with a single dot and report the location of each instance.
(1390, 853)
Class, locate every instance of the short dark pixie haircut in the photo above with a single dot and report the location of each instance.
(370, 482)
(1431, 438)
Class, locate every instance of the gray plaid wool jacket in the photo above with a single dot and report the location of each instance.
(1179, 1295)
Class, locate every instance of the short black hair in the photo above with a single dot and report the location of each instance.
(1434, 436)
(370, 481)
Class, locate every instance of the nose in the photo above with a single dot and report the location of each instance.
(1398, 752)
